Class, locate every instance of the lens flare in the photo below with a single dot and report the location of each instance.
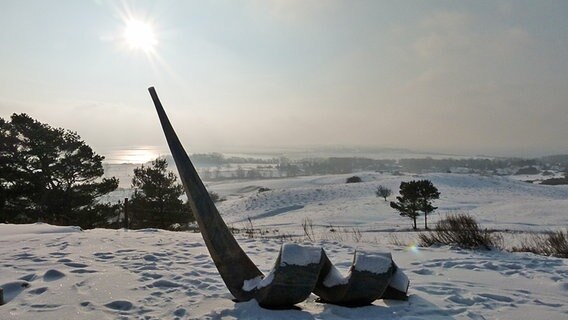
(413, 248)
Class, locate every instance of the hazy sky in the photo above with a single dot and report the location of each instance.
(449, 76)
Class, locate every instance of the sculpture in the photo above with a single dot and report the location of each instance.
(298, 271)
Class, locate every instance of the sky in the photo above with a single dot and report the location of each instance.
(467, 77)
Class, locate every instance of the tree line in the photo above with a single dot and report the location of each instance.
(284, 167)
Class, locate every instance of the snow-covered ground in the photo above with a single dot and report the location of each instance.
(50, 272)
(496, 202)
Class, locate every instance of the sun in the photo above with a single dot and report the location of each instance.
(140, 35)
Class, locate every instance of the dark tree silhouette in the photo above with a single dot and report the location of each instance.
(353, 179)
(407, 203)
(427, 193)
(383, 192)
(49, 174)
(416, 196)
(156, 202)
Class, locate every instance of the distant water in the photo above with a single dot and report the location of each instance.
(144, 154)
(133, 155)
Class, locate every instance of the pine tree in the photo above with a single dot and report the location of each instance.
(427, 193)
(48, 174)
(407, 202)
(156, 202)
(416, 196)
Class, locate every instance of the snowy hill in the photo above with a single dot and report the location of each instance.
(497, 202)
(50, 272)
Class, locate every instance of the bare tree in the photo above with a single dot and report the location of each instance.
(383, 192)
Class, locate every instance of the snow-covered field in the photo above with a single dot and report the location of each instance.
(50, 272)
(496, 202)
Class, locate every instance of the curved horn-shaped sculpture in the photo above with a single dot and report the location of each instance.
(298, 271)
(232, 262)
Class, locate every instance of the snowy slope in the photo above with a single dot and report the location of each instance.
(63, 273)
(50, 272)
(497, 202)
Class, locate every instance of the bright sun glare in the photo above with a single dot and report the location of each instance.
(139, 35)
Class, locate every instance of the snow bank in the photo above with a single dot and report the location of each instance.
(34, 228)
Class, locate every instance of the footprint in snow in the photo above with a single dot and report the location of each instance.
(59, 254)
(75, 265)
(125, 250)
(424, 272)
(120, 305)
(179, 312)
(44, 306)
(28, 277)
(23, 256)
(104, 255)
(88, 306)
(52, 275)
(13, 289)
(165, 284)
(496, 297)
(38, 291)
(150, 257)
(151, 275)
(83, 271)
